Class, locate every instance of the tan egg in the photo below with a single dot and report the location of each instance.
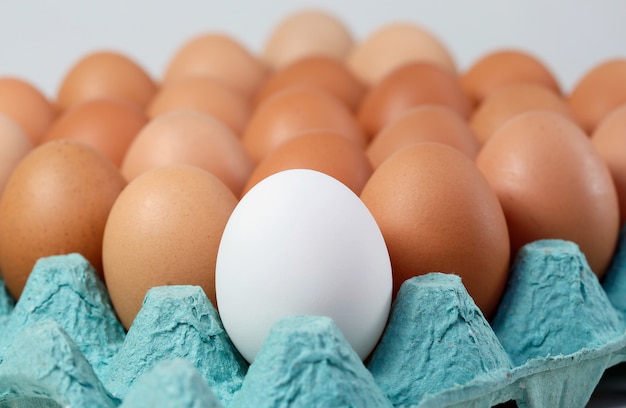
(505, 67)
(609, 139)
(427, 123)
(56, 202)
(437, 213)
(510, 101)
(107, 125)
(27, 106)
(394, 45)
(552, 184)
(164, 229)
(322, 72)
(205, 95)
(14, 145)
(105, 74)
(413, 84)
(292, 111)
(189, 137)
(221, 57)
(306, 33)
(324, 151)
(598, 92)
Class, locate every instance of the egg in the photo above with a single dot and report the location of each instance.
(105, 74)
(14, 145)
(319, 71)
(301, 242)
(56, 202)
(393, 45)
(221, 57)
(509, 101)
(164, 229)
(503, 67)
(412, 84)
(204, 95)
(292, 111)
(189, 137)
(324, 151)
(609, 140)
(437, 213)
(425, 123)
(305, 33)
(552, 184)
(598, 92)
(27, 106)
(107, 125)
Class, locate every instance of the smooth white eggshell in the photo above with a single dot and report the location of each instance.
(301, 242)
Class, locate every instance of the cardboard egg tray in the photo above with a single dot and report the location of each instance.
(556, 332)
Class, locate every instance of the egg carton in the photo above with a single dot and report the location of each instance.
(556, 332)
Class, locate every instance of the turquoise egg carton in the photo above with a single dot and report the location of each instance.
(557, 330)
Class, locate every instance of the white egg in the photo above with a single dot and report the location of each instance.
(301, 242)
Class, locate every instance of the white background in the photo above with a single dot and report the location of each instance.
(41, 39)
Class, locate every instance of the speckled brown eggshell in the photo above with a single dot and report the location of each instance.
(164, 229)
(437, 213)
(552, 184)
(412, 84)
(56, 202)
(14, 145)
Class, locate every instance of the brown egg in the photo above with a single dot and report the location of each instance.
(27, 106)
(164, 229)
(293, 111)
(609, 139)
(394, 45)
(204, 95)
(413, 84)
(14, 145)
(505, 67)
(56, 202)
(189, 137)
(107, 125)
(437, 213)
(598, 92)
(552, 184)
(220, 57)
(426, 123)
(306, 33)
(324, 151)
(510, 101)
(105, 74)
(322, 72)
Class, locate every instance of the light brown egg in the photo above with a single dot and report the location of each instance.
(221, 57)
(413, 84)
(437, 213)
(552, 184)
(320, 71)
(609, 139)
(56, 202)
(426, 123)
(324, 151)
(510, 101)
(394, 45)
(107, 125)
(105, 74)
(505, 67)
(205, 95)
(598, 92)
(14, 145)
(189, 137)
(27, 106)
(306, 33)
(164, 229)
(293, 111)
